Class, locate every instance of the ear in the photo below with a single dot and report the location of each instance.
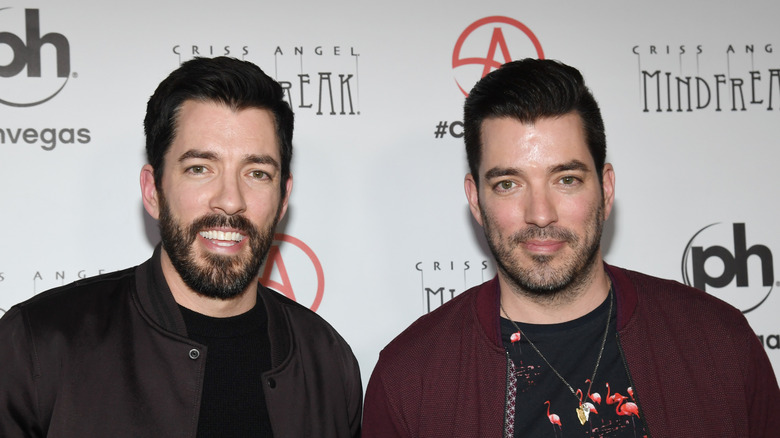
(149, 192)
(287, 191)
(472, 195)
(608, 187)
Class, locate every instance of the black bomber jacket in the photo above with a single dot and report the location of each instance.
(109, 356)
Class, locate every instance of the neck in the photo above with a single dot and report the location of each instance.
(214, 307)
(562, 306)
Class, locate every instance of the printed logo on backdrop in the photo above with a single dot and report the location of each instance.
(293, 269)
(727, 261)
(34, 61)
(708, 77)
(488, 43)
(482, 47)
(45, 279)
(441, 281)
(34, 68)
(318, 79)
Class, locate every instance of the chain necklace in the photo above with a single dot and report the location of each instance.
(583, 410)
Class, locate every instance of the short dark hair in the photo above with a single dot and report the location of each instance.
(529, 90)
(232, 82)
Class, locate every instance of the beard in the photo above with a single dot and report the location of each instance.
(216, 276)
(547, 275)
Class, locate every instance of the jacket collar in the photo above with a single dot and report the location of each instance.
(155, 296)
(625, 291)
(488, 294)
(279, 331)
(157, 301)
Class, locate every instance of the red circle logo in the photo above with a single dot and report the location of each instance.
(309, 279)
(490, 35)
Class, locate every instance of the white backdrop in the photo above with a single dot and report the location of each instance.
(378, 204)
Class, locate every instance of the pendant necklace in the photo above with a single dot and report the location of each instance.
(583, 411)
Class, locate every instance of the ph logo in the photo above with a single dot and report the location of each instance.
(714, 268)
(34, 87)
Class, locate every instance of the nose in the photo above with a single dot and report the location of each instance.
(540, 209)
(228, 197)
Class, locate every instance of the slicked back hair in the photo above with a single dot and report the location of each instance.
(529, 90)
(228, 81)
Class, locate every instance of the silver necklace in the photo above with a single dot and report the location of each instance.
(583, 411)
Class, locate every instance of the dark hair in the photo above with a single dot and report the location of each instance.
(529, 90)
(228, 81)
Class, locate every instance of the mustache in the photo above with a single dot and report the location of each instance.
(237, 222)
(534, 232)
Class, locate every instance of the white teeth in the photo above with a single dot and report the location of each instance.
(222, 238)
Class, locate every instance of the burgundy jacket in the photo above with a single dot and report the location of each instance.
(697, 367)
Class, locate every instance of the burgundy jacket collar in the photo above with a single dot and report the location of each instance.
(487, 302)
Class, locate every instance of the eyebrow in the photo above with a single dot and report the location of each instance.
(497, 172)
(194, 153)
(261, 159)
(571, 165)
(211, 156)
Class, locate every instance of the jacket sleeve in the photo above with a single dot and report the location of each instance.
(762, 390)
(355, 403)
(379, 418)
(19, 410)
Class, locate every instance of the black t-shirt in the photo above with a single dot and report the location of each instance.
(544, 405)
(233, 402)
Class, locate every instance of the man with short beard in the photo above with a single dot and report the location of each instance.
(188, 344)
(561, 343)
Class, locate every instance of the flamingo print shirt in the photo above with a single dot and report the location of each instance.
(543, 404)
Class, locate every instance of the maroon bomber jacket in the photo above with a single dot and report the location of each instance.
(697, 367)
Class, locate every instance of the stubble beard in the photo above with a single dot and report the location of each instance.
(547, 276)
(215, 276)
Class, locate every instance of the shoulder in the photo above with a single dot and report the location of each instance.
(308, 329)
(77, 299)
(437, 330)
(300, 332)
(40, 331)
(675, 295)
(299, 317)
(671, 303)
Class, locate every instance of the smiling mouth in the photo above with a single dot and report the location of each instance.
(222, 238)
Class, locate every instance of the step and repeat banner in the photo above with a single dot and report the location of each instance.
(378, 231)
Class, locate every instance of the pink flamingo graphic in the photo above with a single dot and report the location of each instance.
(590, 408)
(628, 409)
(596, 397)
(589, 405)
(554, 419)
(614, 397)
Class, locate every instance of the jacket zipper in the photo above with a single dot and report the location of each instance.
(631, 382)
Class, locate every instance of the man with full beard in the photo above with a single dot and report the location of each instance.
(561, 343)
(188, 344)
